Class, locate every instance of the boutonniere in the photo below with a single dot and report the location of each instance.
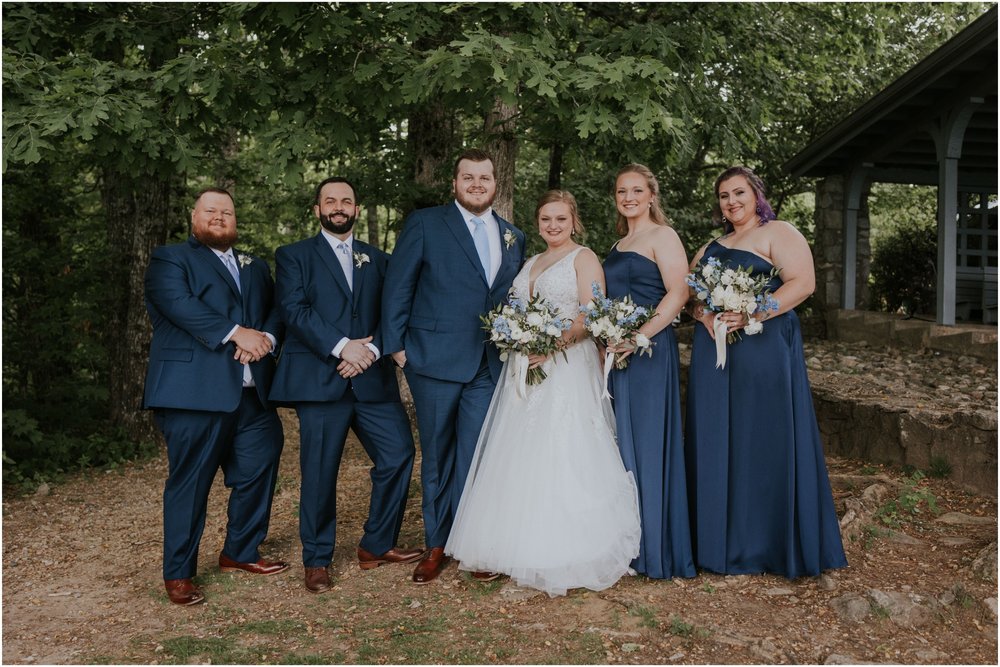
(244, 260)
(360, 259)
(509, 239)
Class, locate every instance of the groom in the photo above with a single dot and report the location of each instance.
(451, 264)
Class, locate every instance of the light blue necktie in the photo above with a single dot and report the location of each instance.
(345, 263)
(230, 263)
(482, 241)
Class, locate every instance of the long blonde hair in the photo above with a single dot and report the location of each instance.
(656, 213)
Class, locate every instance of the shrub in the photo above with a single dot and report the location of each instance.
(903, 272)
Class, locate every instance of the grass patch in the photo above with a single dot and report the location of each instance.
(679, 627)
(708, 588)
(647, 615)
(868, 470)
(878, 610)
(280, 628)
(217, 650)
(337, 658)
(912, 500)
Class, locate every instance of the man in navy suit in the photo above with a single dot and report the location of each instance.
(210, 370)
(451, 264)
(329, 292)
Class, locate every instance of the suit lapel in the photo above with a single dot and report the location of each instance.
(329, 259)
(361, 272)
(456, 225)
(208, 257)
(508, 266)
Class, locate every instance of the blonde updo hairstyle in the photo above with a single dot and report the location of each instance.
(567, 198)
(656, 213)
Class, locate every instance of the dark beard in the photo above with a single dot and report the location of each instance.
(334, 228)
(220, 240)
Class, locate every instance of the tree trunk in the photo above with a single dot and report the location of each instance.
(372, 212)
(555, 166)
(431, 142)
(502, 144)
(138, 216)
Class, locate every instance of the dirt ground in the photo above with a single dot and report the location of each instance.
(82, 584)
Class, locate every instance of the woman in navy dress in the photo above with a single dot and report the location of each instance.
(759, 491)
(649, 264)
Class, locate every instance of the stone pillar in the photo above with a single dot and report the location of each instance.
(863, 255)
(828, 247)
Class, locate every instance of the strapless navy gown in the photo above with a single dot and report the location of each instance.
(646, 397)
(759, 491)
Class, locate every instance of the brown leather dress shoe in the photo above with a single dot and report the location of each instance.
(317, 579)
(369, 561)
(183, 592)
(265, 567)
(430, 567)
(485, 576)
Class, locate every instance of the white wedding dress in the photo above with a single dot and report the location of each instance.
(548, 500)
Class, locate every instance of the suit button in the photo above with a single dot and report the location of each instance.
(354, 316)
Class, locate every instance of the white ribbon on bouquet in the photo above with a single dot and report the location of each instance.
(609, 362)
(521, 375)
(720, 329)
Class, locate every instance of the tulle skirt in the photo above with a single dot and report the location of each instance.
(548, 500)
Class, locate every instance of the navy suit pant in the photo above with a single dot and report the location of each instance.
(384, 432)
(449, 418)
(247, 445)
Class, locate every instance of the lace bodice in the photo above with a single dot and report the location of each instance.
(556, 284)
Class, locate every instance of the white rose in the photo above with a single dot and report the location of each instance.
(535, 319)
(727, 277)
(754, 327)
(641, 341)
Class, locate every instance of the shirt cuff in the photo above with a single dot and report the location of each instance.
(374, 350)
(232, 332)
(339, 347)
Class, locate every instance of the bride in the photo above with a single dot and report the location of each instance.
(548, 500)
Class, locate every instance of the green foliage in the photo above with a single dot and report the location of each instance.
(903, 269)
(679, 627)
(269, 98)
(939, 468)
(911, 500)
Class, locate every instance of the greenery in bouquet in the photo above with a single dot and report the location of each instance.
(617, 321)
(526, 327)
(723, 288)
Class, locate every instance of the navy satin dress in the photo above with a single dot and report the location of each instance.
(646, 397)
(759, 491)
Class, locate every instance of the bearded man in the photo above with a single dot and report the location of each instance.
(452, 263)
(210, 371)
(331, 370)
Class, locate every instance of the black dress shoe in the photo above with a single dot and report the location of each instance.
(430, 567)
(369, 561)
(265, 567)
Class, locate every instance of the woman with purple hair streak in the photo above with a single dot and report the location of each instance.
(759, 493)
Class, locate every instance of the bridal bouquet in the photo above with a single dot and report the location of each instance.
(724, 288)
(616, 321)
(527, 327)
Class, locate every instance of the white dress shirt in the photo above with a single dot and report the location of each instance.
(334, 242)
(247, 375)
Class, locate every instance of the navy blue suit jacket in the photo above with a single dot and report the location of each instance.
(194, 303)
(319, 309)
(436, 289)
